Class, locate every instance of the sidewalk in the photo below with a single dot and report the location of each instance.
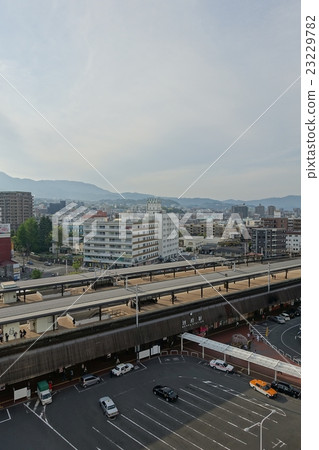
(261, 347)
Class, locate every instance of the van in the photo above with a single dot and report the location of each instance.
(89, 380)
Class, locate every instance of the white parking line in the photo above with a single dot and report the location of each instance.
(168, 429)
(208, 412)
(9, 417)
(107, 438)
(215, 404)
(203, 421)
(248, 400)
(185, 425)
(126, 434)
(144, 429)
(51, 427)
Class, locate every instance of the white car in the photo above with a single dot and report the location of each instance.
(108, 407)
(121, 369)
(285, 316)
(221, 365)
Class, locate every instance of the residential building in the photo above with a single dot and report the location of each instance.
(293, 242)
(120, 243)
(274, 222)
(294, 224)
(270, 242)
(16, 207)
(167, 229)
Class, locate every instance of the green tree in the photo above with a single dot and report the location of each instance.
(21, 239)
(45, 234)
(76, 264)
(36, 273)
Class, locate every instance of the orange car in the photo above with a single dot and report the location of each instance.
(263, 388)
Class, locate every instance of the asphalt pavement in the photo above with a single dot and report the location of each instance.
(214, 410)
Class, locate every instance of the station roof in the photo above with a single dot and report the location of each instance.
(264, 361)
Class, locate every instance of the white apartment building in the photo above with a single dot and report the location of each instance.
(293, 242)
(131, 240)
(120, 243)
(167, 230)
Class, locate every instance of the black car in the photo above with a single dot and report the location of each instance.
(286, 388)
(166, 392)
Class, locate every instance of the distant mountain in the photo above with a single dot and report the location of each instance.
(79, 191)
(56, 189)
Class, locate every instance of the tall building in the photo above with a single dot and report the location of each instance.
(271, 210)
(260, 210)
(242, 210)
(16, 207)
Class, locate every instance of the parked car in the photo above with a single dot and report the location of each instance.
(30, 263)
(121, 369)
(263, 388)
(47, 263)
(286, 388)
(276, 319)
(292, 313)
(221, 365)
(89, 380)
(285, 316)
(165, 392)
(108, 407)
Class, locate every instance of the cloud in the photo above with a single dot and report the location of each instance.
(152, 90)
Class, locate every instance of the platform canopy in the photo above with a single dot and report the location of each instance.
(263, 361)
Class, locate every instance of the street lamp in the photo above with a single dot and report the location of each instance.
(261, 428)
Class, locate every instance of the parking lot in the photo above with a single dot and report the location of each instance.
(214, 410)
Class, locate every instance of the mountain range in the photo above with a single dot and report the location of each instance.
(55, 190)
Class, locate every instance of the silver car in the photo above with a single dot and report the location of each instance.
(89, 380)
(108, 407)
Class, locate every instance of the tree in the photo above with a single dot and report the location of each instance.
(76, 264)
(45, 234)
(36, 273)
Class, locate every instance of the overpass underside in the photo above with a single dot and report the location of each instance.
(32, 358)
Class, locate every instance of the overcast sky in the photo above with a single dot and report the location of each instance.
(151, 93)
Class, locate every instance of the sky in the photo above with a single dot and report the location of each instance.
(183, 98)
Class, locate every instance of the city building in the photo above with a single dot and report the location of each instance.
(55, 207)
(167, 230)
(274, 222)
(260, 210)
(120, 243)
(271, 210)
(8, 267)
(242, 210)
(16, 207)
(269, 242)
(293, 242)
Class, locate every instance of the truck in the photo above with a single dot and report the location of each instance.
(44, 392)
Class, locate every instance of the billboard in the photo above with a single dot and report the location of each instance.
(4, 229)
